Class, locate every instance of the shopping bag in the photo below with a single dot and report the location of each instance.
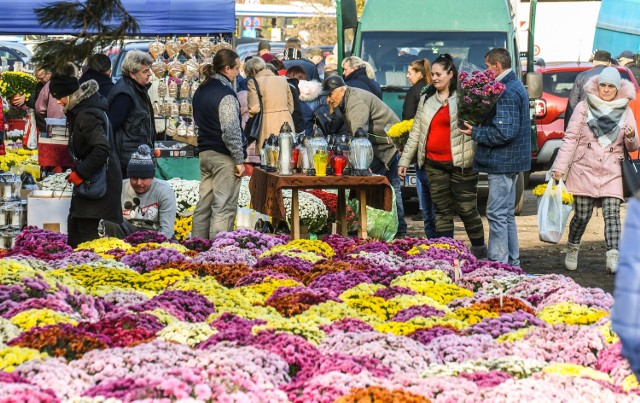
(30, 137)
(552, 214)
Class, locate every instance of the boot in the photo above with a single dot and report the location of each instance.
(480, 251)
(571, 260)
(612, 261)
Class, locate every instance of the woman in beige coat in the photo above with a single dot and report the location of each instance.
(277, 101)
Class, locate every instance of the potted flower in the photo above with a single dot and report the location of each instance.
(399, 133)
(477, 93)
(14, 83)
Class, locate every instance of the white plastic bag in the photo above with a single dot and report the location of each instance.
(552, 214)
(30, 137)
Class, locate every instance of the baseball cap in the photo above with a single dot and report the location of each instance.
(601, 56)
(627, 54)
(264, 45)
(331, 83)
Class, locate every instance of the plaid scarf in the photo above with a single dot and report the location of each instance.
(605, 118)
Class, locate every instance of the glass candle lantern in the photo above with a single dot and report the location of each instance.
(320, 161)
(339, 162)
(360, 153)
(286, 147)
(316, 143)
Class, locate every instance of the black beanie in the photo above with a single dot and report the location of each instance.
(61, 86)
(140, 164)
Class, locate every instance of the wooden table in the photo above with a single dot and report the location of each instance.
(266, 196)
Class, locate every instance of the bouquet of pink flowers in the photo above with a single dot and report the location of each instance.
(477, 93)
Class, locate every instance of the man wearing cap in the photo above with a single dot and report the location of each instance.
(147, 203)
(601, 59)
(361, 108)
(264, 51)
(630, 61)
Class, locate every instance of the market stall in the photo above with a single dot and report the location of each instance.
(209, 26)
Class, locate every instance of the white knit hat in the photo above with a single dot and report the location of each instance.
(610, 75)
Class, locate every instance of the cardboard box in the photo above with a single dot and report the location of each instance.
(49, 210)
(171, 148)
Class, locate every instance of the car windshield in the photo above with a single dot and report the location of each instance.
(560, 83)
(390, 53)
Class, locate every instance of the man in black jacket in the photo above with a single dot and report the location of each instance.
(293, 57)
(130, 109)
(99, 69)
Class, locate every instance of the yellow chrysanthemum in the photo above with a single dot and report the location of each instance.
(11, 357)
(567, 198)
(574, 370)
(400, 128)
(25, 320)
(313, 246)
(102, 245)
(571, 313)
(515, 335)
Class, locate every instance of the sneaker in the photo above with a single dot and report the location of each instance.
(612, 261)
(571, 259)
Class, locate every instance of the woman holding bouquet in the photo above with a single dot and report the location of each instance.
(446, 156)
(419, 75)
(600, 127)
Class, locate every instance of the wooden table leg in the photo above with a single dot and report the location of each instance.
(362, 225)
(295, 215)
(342, 211)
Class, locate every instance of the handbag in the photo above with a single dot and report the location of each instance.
(322, 118)
(96, 186)
(630, 174)
(254, 125)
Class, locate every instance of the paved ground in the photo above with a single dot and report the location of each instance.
(538, 257)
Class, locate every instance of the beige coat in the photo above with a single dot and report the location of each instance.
(277, 103)
(462, 146)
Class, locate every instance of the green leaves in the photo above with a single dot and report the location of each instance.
(100, 24)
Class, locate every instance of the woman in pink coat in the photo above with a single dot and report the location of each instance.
(590, 157)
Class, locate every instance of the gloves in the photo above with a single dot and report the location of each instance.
(74, 178)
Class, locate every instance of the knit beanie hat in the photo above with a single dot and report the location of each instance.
(140, 164)
(610, 75)
(64, 83)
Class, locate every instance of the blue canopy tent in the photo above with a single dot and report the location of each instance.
(155, 17)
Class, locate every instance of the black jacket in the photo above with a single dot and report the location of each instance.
(298, 119)
(412, 99)
(86, 118)
(104, 82)
(358, 79)
(134, 125)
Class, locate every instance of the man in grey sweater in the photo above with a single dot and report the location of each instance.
(147, 203)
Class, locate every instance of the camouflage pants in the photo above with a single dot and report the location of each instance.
(455, 191)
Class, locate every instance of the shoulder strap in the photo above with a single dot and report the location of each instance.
(258, 91)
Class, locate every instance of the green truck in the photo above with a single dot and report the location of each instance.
(391, 34)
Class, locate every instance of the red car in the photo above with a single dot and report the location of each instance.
(557, 82)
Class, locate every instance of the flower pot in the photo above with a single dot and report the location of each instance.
(16, 124)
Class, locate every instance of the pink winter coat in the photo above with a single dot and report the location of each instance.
(596, 171)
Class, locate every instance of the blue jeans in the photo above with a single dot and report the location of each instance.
(503, 235)
(426, 205)
(391, 172)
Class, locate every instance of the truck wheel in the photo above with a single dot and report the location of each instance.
(519, 194)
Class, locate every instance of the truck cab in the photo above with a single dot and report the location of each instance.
(390, 36)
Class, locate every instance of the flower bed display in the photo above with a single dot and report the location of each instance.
(253, 317)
